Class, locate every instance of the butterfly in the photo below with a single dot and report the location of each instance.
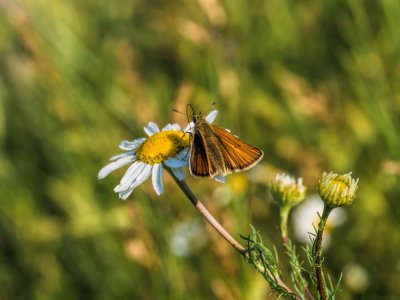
(214, 151)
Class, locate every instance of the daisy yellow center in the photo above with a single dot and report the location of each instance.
(161, 146)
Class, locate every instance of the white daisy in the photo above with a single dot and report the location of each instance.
(147, 156)
(305, 219)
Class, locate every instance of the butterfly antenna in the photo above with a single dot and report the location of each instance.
(211, 106)
(187, 116)
(177, 111)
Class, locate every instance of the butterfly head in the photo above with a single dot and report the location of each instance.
(196, 117)
(192, 115)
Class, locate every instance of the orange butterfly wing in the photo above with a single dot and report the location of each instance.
(198, 162)
(238, 155)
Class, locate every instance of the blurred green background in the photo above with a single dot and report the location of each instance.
(315, 84)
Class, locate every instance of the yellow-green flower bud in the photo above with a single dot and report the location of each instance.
(286, 191)
(337, 190)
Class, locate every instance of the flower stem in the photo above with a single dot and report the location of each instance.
(290, 250)
(284, 213)
(219, 228)
(209, 217)
(318, 253)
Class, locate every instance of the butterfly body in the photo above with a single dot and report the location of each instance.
(214, 151)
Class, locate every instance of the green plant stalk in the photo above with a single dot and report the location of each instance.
(220, 229)
(284, 214)
(318, 253)
(287, 244)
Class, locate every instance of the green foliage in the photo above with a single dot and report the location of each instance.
(296, 274)
(265, 262)
(312, 83)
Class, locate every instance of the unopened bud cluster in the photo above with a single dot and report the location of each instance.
(337, 190)
(287, 191)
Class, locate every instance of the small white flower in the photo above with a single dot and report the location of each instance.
(147, 156)
(305, 219)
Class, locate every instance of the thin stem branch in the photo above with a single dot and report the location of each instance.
(284, 213)
(287, 244)
(318, 253)
(218, 227)
(209, 217)
(318, 265)
(296, 268)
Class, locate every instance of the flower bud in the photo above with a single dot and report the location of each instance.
(286, 191)
(337, 190)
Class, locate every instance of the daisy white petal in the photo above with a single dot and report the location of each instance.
(173, 126)
(130, 176)
(184, 154)
(189, 127)
(211, 116)
(114, 165)
(126, 154)
(156, 179)
(126, 145)
(126, 193)
(151, 129)
(143, 175)
(137, 178)
(178, 172)
(175, 163)
(220, 178)
(179, 161)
